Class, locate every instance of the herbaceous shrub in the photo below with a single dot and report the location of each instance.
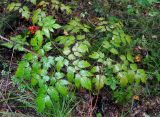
(76, 61)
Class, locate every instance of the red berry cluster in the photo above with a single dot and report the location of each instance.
(33, 29)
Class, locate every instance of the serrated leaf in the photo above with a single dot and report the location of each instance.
(123, 79)
(56, 26)
(59, 75)
(33, 1)
(46, 32)
(113, 50)
(8, 44)
(80, 37)
(130, 58)
(48, 101)
(34, 80)
(77, 80)
(82, 48)
(99, 81)
(66, 50)
(131, 76)
(62, 89)
(23, 65)
(86, 83)
(85, 73)
(106, 44)
(94, 55)
(133, 67)
(53, 93)
(122, 57)
(70, 73)
(25, 12)
(83, 64)
(142, 75)
(47, 47)
(117, 68)
(40, 103)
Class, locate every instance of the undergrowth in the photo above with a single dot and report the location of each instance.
(83, 55)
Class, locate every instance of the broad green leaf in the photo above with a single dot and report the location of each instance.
(29, 57)
(33, 1)
(48, 101)
(123, 78)
(77, 80)
(59, 75)
(106, 44)
(124, 67)
(8, 45)
(99, 81)
(83, 64)
(71, 57)
(82, 48)
(36, 66)
(86, 83)
(62, 89)
(56, 26)
(78, 54)
(142, 75)
(131, 76)
(123, 58)
(94, 55)
(25, 12)
(80, 37)
(95, 69)
(46, 78)
(128, 39)
(85, 73)
(53, 93)
(46, 32)
(47, 47)
(37, 16)
(133, 67)
(112, 82)
(20, 73)
(19, 47)
(40, 103)
(37, 40)
(60, 63)
(11, 6)
(113, 50)
(41, 52)
(66, 50)
(117, 68)
(34, 80)
(129, 57)
(70, 73)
